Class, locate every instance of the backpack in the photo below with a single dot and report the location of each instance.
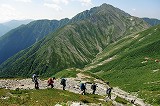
(108, 91)
(93, 87)
(63, 81)
(50, 81)
(33, 77)
(82, 86)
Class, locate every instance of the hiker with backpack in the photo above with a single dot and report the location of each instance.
(51, 81)
(93, 87)
(35, 80)
(108, 91)
(83, 88)
(63, 83)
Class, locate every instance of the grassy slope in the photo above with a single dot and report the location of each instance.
(127, 70)
(47, 97)
(66, 73)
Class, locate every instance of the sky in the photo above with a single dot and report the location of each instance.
(58, 9)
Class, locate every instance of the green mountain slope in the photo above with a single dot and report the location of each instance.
(3, 29)
(152, 21)
(74, 45)
(26, 35)
(133, 64)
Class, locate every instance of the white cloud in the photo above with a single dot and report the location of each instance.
(26, 1)
(54, 6)
(8, 7)
(86, 2)
(7, 12)
(57, 1)
(60, 1)
(57, 4)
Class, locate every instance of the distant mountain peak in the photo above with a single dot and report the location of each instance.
(152, 21)
(105, 5)
(104, 9)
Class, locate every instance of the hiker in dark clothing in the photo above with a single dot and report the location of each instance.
(93, 87)
(83, 88)
(108, 91)
(63, 82)
(51, 81)
(35, 80)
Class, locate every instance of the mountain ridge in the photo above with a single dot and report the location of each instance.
(7, 26)
(152, 21)
(26, 35)
(75, 44)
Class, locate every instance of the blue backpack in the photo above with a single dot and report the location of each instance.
(82, 86)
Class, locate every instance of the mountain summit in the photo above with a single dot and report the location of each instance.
(103, 9)
(74, 45)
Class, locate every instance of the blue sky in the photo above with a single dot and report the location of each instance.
(58, 9)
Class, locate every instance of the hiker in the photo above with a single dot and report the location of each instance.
(108, 91)
(93, 87)
(51, 81)
(35, 80)
(83, 88)
(63, 82)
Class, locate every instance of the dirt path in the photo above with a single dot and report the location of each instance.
(73, 86)
(116, 92)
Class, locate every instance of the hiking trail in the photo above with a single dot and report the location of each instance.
(73, 86)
